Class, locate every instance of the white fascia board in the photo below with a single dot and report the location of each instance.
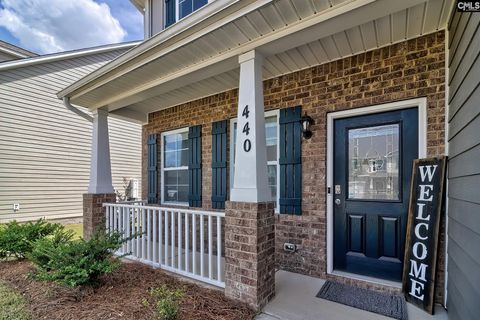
(64, 55)
(180, 33)
(139, 4)
(14, 53)
(268, 43)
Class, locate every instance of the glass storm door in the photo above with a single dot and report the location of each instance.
(372, 170)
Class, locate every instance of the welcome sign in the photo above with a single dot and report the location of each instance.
(425, 208)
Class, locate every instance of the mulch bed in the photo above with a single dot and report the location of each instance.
(119, 296)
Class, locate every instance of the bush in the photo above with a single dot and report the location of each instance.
(16, 240)
(167, 302)
(75, 262)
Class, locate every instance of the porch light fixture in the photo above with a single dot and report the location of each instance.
(306, 122)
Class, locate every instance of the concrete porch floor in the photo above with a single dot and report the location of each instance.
(295, 299)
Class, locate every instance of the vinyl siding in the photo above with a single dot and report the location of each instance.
(45, 148)
(464, 167)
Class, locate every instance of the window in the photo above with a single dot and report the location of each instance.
(185, 7)
(175, 167)
(374, 163)
(271, 134)
(176, 10)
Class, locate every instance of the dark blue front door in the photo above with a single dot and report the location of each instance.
(372, 169)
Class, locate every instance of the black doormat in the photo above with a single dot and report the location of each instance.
(393, 306)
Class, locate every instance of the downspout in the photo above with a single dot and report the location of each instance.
(68, 105)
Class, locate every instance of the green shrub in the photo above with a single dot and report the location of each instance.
(16, 239)
(167, 302)
(75, 262)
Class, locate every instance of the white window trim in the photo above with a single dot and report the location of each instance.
(421, 104)
(267, 114)
(177, 11)
(163, 169)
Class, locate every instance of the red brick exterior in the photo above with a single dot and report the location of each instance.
(250, 252)
(94, 212)
(410, 69)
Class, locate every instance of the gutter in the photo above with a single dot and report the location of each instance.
(69, 106)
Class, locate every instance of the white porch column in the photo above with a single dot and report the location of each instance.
(250, 179)
(100, 167)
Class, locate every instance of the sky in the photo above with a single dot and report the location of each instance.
(49, 26)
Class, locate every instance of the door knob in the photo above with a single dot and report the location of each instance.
(338, 202)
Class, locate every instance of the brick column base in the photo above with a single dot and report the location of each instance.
(94, 212)
(250, 252)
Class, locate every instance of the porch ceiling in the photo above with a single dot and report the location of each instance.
(292, 34)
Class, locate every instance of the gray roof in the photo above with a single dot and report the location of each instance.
(21, 51)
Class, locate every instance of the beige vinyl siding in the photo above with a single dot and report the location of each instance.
(464, 167)
(45, 148)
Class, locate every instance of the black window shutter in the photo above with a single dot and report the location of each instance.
(169, 12)
(195, 166)
(152, 169)
(219, 164)
(290, 160)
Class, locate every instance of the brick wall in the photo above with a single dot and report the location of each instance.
(411, 69)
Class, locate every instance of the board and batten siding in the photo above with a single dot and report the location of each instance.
(464, 167)
(45, 148)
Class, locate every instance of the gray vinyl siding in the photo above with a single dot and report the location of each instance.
(464, 167)
(45, 148)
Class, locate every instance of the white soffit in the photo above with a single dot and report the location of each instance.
(422, 18)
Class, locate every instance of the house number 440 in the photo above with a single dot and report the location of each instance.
(247, 144)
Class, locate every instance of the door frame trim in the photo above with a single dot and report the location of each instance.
(421, 103)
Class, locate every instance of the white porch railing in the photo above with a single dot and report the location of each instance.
(186, 242)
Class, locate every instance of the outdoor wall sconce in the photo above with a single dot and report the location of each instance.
(306, 121)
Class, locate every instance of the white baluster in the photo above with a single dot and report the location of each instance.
(172, 231)
(138, 231)
(149, 235)
(219, 248)
(166, 237)
(210, 247)
(160, 236)
(202, 244)
(144, 230)
(194, 243)
(124, 229)
(155, 241)
(179, 251)
(127, 233)
(187, 244)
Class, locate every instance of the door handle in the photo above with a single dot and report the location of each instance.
(338, 202)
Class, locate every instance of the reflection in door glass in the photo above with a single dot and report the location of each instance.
(373, 163)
